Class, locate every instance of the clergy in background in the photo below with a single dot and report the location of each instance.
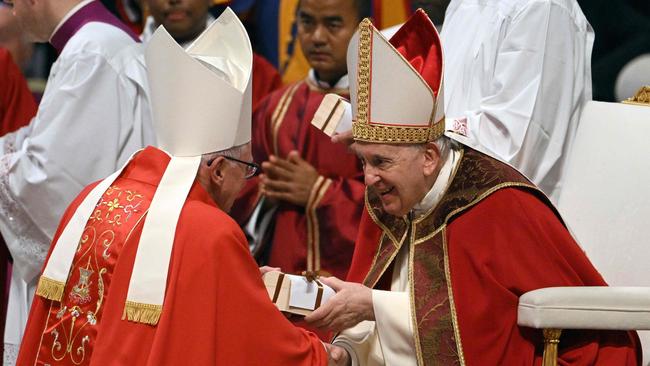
(450, 237)
(147, 268)
(185, 20)
(517, 76)
(314, 185)
(93, 116)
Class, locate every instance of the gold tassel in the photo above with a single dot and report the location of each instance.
(142, 313)
(50, 289)
(551, 340)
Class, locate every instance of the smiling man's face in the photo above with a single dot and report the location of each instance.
(183, 19)
(324, 31)
(399, 174)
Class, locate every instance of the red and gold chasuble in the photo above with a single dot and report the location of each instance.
(491, 238)
(71, 326)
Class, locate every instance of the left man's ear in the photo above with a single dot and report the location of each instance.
(217, 172)
(431, 158)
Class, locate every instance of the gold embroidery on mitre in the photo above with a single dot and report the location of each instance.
(397, 134)
(362, 128)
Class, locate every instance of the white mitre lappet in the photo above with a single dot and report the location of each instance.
(395, 86)
(201, 103)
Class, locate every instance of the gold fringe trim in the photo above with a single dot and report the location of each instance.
(142, 313)
(50, 289)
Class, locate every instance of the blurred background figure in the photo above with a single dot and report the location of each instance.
(622, 30)
(315, 186)
(186, 19)
(17, 107)
(516, 78)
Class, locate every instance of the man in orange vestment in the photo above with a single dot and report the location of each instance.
(147, 268)
(314, 184)
(450, 237)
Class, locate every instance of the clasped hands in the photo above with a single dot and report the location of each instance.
(289, 179)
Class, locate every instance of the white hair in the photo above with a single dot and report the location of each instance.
(233, 152)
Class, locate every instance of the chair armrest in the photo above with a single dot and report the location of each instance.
(615, 308)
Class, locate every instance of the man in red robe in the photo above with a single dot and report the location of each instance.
(450, 237)
(314, 184)
(147, 268)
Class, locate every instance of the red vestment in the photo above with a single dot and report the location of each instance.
(216, 309)
(320, 236)
(490, 239)
(17, 105)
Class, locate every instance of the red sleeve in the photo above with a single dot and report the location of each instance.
(509, 244)
(17, 105)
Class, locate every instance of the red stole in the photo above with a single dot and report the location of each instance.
(71, 326)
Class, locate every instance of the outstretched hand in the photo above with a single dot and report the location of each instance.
(351, 305)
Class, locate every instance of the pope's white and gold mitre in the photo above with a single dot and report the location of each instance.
(395, 86)
(201, 103)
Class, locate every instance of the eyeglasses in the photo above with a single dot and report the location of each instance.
(8, 3)
(252, 169)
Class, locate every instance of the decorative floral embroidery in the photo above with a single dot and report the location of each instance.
(73, 323)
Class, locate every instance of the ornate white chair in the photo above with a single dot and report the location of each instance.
(605, 201)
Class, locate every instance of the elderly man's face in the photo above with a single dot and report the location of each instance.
(400, 175)
(324, 31)
(183, 19)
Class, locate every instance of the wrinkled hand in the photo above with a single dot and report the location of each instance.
(344, 138)
(266, 269)
(337, 356)
(351, 305)
(289, 179)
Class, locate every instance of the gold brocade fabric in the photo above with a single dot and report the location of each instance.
(72, 324)
(438, 341)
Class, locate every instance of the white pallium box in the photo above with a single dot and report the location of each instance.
(296, 294)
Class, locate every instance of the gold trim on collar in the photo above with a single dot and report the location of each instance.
(384, 228)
